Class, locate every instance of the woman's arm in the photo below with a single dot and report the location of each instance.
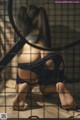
(43, 53)
(50, 63)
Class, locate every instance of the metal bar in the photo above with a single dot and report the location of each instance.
(13, 51)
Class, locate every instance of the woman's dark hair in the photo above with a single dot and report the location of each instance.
(44, 27)
(34, 18)
(23, 21)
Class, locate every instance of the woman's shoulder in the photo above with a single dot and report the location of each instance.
(41, 44)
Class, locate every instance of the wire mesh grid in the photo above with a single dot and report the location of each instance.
(64, 21)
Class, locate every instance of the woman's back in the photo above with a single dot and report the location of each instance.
(29, 54)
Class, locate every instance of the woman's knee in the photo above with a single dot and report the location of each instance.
(22, 87)
(59, 87)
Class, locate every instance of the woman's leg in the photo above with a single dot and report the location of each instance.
(47, 89)
(66, 98)
(22, 88)
(20, 98)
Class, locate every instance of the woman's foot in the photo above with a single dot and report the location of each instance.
(66, 99)
(18, 104)
(20, 99)
(68, 107)
(20, 107)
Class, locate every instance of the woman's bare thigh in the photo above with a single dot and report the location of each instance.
(27, 75)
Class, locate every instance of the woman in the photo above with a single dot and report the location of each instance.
(34, 20)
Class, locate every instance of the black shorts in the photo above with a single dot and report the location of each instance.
(45, 75)
(49, 77)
